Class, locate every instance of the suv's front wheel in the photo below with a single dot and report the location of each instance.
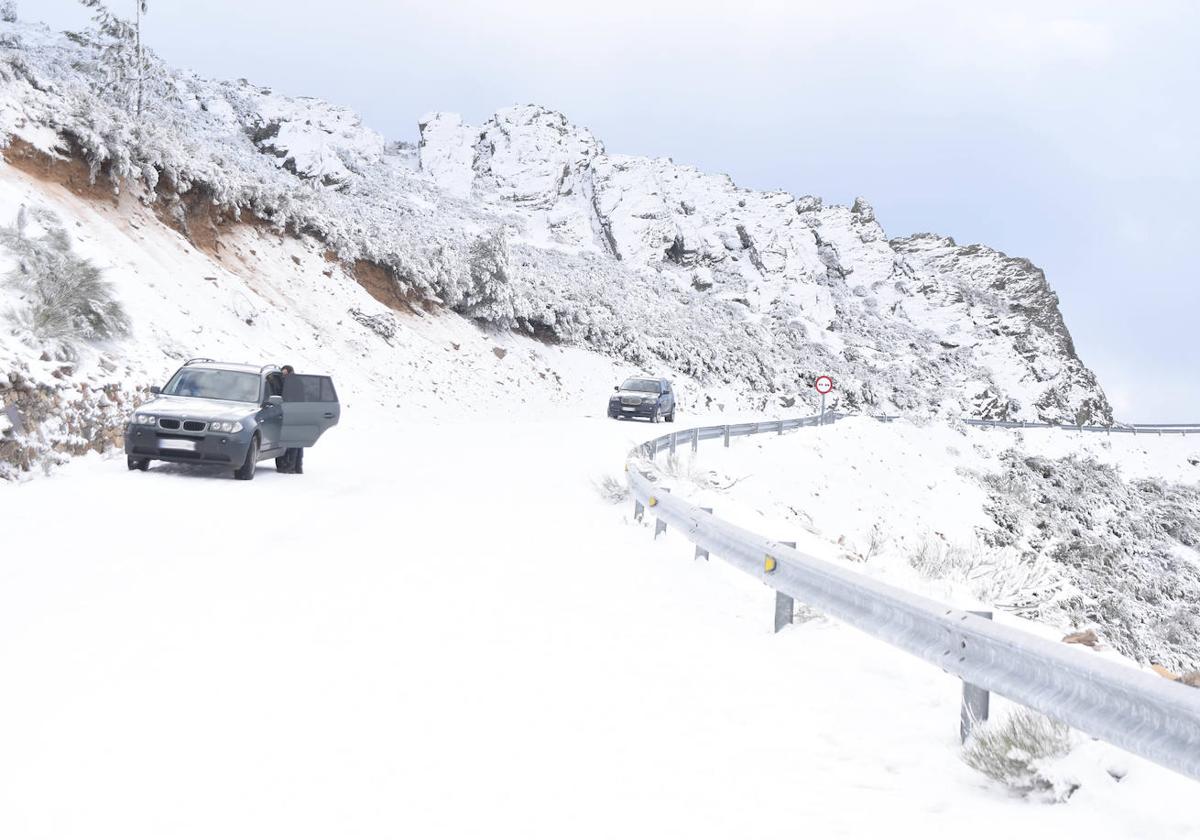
(246, 471)
(132, 463)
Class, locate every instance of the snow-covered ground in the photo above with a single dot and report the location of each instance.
(830, 487)
(442, 630)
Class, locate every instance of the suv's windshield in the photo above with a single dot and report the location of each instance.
(649, 385)
(212, 384)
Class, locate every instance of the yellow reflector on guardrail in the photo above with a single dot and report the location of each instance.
(769, 563)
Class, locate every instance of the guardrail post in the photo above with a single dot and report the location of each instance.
(780, 427)
(639, 510)
(660, 527)
(695, 440)
(975, 700)
(703, 552)
(726, 436)
(674, 435)
(785, 605)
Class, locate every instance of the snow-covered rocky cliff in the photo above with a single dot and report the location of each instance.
(904, 324)
(527, 224)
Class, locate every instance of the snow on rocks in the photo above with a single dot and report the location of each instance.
(447, 152)
(827, 275)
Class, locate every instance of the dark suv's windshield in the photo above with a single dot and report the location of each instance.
(648, 385)
(212, 384)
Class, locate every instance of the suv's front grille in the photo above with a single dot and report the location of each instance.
(173, 424)
(631, 400)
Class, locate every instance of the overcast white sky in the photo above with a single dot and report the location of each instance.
(1066, 132)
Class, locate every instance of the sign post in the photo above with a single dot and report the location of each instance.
(823, 385)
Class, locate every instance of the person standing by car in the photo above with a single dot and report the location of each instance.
(292, 460)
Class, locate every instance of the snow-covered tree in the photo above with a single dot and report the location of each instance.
(8, 11)
(489, 296)
(122, 58)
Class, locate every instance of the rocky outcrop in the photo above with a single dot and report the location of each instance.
(981, 328)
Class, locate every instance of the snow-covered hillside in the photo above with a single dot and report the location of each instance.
(525, 224)
(252, 295)
(1076, 531)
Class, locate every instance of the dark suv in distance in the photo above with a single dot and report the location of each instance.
(218, 413)
(653, 399)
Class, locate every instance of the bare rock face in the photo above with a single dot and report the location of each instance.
(898, 322)
(1083, 637)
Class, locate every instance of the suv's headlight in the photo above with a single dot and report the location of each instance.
(222, 426)
(145, 419)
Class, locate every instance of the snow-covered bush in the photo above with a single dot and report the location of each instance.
(1019, 751)
(997, 576)
(1096, 528)
(8, 11)
(64, 299)
(612, 489)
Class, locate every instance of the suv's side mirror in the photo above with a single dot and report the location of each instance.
(154, 389)
(275, 399)
(616, 387)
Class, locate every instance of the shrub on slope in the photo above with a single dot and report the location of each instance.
(1129, 548)
(63, 299)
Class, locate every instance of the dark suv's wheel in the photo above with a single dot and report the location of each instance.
(132, 463)
(246, 471)
(671, 416)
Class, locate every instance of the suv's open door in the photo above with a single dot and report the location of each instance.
(310, 406)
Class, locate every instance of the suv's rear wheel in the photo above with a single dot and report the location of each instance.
(132, 463)
(246, 471)
(671, 416)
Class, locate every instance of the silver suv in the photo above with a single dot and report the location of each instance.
(218, 413)
(653, 399)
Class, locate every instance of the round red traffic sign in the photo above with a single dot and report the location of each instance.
(824, 385)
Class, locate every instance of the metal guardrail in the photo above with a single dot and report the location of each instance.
(1118, 428)
(1137, 711)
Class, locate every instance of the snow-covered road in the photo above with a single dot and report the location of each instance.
(453, 636)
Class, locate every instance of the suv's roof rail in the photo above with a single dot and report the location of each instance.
(197, 359)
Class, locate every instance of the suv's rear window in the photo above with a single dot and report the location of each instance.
(649, 385)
